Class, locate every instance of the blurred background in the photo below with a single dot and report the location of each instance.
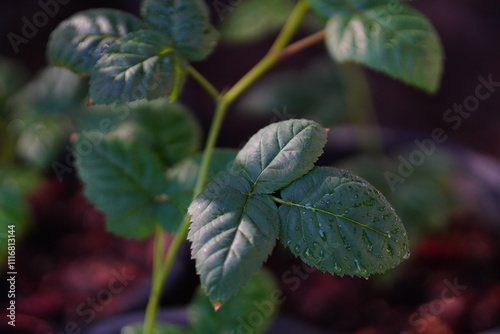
(449, 198)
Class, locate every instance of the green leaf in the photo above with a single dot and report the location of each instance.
(140, 65)
(280, 153)
(79, 41)
(40, 139)
(169, 129)
(54, 91)
(403, 45)
(126, 180)
(253, 19)
(160, 327)
(233, 231)
(259, 296)
(337, 222)
(184, 23)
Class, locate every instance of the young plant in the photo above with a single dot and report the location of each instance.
(330, 218)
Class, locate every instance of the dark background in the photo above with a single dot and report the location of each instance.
(59, 261)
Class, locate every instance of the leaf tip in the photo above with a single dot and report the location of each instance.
(216, 306)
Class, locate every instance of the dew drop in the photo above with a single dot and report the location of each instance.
(322, 235)
(297, 249)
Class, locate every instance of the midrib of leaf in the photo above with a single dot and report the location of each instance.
(282, 149)
(290, 203)
(236, 233)
(141, 63)
(128, 174)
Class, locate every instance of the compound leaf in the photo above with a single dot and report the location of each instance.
(337, 222)
(233, 231)
(185, 23)
(79, 41)
(141, 65)
(126, 180)
(280, 153)
(403, 44)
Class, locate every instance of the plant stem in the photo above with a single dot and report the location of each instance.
(204, 82)
(223, 103)
(159, 249)
(291, 25)
(272, 57)
(302, 44)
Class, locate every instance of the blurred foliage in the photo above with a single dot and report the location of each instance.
(250, 311)
(251, 20)
(316, 92)
(425, 199)
(255, 298)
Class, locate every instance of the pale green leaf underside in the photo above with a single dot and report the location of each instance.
(255, 296)
(232, 234)
(79, 41)
(403, 45)
(339, 223)
(280, 153)
(183, 22)
(137, 66)
(126, 180)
